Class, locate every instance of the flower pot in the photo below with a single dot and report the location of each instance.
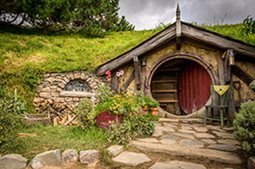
(154, 111)
(104, 120)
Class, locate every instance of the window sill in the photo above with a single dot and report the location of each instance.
(76, 94)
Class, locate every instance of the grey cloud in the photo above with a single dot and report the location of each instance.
(146, 14)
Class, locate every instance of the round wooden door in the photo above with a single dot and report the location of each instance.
(194, 87)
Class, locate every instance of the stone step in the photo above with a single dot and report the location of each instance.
(177, 150)
(177, 165)
(131, 158)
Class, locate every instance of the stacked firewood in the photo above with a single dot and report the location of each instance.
(65, 119)
(58, 108)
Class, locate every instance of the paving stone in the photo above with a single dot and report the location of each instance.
(213, 155)
(204, 135)
(177, 165)
(208, 141)
(70, 155)
(223, 147)
(149, 140)
(191, 143)
(217, 128)
(169, 137)
(200, 129)
(231, 129)
(114, 150)
(186, 128)
(224, 135)
(186, 131)
(228, 141)
(168, 120)
(251, 163)
(48, 158)
(157, 132)
(192, 120)
(184, 135)
(131, 158)
(13, 161)
(167, 141)
(89, 156)
(172, 125)
(163, 128)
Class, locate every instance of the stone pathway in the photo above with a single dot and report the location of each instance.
(181, 138)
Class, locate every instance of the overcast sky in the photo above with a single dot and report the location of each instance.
(147, 14)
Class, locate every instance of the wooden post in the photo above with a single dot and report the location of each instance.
(114, 82)
(228, 80)
(221, 72)
(143, 73)
(137, 66)
(178, 28)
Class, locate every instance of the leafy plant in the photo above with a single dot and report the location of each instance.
(105, 93)
(131, 127)
(252, 84)
(11, 110)
(248, 26)
(86, 113)
(245, 127)
(146, 101)
(118, 104)
(150, 102)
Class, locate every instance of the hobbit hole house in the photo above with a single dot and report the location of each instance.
(178, 67)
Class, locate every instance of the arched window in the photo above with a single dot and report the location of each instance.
(77, 85)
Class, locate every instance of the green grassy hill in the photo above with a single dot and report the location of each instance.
(26, 55)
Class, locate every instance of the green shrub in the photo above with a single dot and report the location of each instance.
(245, 127)
(131, 127)
(11, 110)
(86, 113)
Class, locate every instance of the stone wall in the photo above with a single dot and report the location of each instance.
(53, 98)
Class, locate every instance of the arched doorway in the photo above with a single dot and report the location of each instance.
(181, 86)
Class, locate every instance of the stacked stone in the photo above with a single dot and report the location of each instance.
(48, 98)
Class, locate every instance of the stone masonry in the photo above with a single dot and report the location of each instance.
(52, 98)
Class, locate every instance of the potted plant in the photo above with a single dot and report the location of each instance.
(111, 108)
(151, 105)
(105, 117)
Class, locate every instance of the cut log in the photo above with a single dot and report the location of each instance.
(63, 120)
(55, 121)
(70, 120)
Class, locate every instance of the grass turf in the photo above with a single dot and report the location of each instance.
(59, 137)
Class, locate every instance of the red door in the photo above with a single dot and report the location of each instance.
(194, 87)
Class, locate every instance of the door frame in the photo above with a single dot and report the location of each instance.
(180, 55)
